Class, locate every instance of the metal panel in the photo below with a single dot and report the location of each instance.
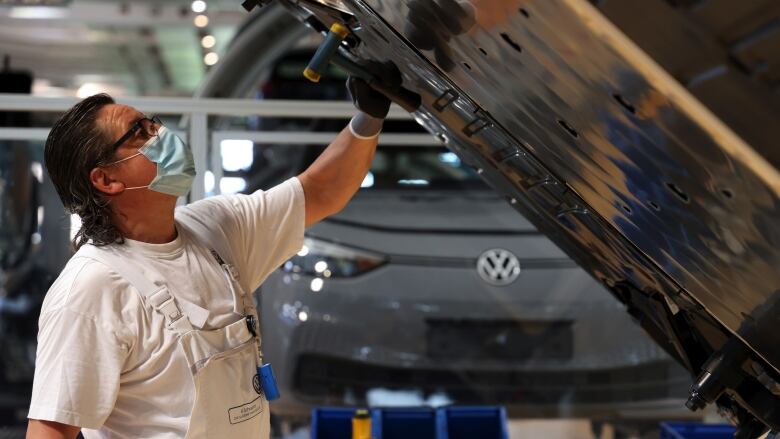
(613, 159)
(599, 146)
(656, 184)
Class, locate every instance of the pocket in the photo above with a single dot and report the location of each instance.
(200, 347)
(231, 398)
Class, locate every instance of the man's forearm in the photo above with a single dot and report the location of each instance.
(331, 181)
(50, 430)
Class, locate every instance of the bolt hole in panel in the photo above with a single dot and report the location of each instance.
(525, 13)
(679, 193)
(622, 101)
(511, 42)
(565, 125)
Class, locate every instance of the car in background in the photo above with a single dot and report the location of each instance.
(428, 288)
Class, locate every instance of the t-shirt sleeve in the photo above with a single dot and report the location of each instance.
(263, 229)
(78, 365)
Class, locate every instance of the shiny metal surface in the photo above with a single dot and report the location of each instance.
(599, 147)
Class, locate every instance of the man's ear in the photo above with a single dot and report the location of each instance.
(104, 183)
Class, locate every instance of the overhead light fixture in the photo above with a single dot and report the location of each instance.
(34, 3)
(201, 21)
(37, 12)
(208, 41)
(89, 89)
(211, 58)
(198, 6)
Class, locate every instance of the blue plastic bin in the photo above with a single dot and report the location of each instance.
(401, 423)
(471, 422)
(696, 430)
(332, 423)
(414, 423)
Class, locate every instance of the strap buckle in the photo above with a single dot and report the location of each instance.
(163, 302)
(232, 271)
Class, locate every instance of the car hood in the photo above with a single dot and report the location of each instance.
(421, 211)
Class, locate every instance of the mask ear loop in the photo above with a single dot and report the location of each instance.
(126, 158)
(140, 152)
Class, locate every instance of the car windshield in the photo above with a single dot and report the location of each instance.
(417, 168)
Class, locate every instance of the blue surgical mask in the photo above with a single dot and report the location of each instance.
(175, 166)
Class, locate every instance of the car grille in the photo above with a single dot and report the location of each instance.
(495, 339)
(323, 377)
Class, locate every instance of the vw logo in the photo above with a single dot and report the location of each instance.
(498, 267)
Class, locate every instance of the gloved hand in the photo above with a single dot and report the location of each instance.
(368, 100)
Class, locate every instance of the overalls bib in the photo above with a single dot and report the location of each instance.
(229, 402)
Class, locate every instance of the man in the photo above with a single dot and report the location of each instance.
(150, 330)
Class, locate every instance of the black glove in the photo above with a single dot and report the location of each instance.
(368, 100)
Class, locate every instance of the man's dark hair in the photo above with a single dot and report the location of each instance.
(76, 145)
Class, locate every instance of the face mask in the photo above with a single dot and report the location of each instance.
(175, 166)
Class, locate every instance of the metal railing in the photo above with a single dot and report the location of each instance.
(205, 142)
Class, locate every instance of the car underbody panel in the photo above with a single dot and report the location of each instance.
(612, 158)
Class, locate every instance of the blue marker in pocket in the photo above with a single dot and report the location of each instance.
(268, 381)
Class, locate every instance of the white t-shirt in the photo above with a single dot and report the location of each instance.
(104, 360)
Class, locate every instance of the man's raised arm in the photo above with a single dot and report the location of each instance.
(331, 181)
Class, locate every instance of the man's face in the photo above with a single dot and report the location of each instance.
(116, 120)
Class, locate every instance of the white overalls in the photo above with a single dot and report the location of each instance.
(229, 402)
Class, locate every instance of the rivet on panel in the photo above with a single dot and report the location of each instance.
(476, 125)
(448, 97)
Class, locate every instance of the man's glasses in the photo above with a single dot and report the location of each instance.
(147, 126)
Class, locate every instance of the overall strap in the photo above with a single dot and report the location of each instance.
(157, 296)
(221, 254)
(219, 250)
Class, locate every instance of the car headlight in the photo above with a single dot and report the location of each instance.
(325, 259)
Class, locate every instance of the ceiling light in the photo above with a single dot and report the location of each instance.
(198, 6)
(211, 58)
(201, 21)
(208, 41)
(89, 89)
(37, 12)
